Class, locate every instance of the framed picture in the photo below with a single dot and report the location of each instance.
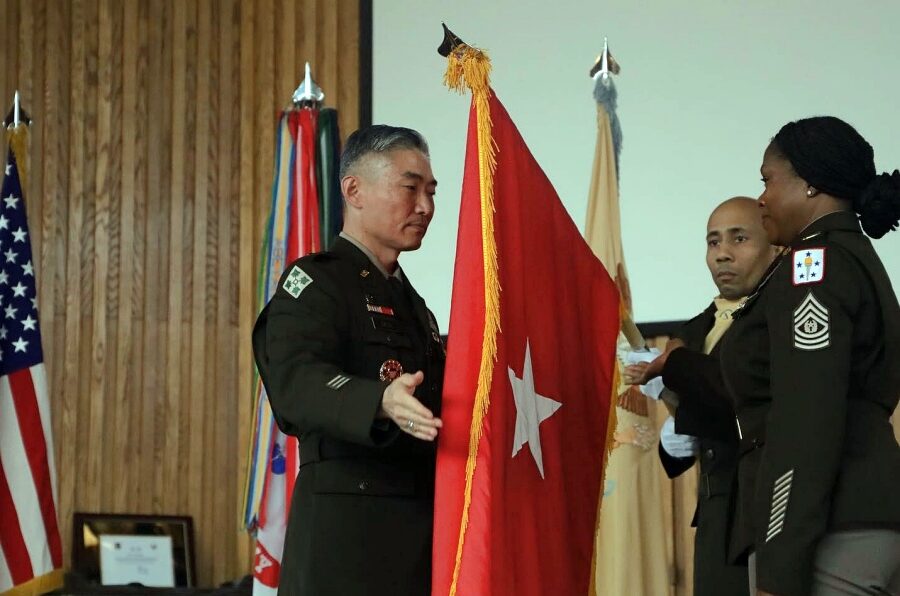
(122, 549)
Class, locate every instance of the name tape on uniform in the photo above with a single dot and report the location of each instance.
(297, 281)
(811, 327)
(809, 266)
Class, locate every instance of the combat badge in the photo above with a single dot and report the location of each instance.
(390, 370)
(297, 281)
(809, 266)
(811, 327)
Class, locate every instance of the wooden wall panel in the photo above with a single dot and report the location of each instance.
(150, 168)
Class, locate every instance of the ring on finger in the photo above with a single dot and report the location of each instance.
(410, 425)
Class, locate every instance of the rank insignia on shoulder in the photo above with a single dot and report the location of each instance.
(809, 266)
(297, 281)
(383, 310)
(811, 327)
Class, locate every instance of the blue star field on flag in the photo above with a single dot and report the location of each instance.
(20, 337)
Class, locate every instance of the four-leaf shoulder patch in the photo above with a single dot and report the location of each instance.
(296, 281)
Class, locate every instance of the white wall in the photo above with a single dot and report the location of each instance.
(704, 85)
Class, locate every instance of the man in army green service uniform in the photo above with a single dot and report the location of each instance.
(353, 365)
(737, 254)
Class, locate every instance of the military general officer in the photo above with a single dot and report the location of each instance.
(353, 365)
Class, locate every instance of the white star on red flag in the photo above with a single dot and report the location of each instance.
(531, 410)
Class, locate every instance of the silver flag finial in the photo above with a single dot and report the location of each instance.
(605, 65)
(308, 92)
(16, 115)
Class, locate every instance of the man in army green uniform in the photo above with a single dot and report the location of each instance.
(737, 254)
(353, 365)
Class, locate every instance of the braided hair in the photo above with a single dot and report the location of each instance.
(832, 157)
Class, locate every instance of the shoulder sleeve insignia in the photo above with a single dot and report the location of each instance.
(809, 266)
(296, 281)
(811, 328)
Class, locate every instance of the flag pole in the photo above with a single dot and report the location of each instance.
(16, 124)
(604, 67)
(468, 69)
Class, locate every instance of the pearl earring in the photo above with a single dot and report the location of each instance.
(809, 192)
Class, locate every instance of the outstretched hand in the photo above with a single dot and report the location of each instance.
(406, 411)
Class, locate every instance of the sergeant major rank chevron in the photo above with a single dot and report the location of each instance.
(811, 328)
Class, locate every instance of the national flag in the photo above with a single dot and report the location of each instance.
(631, 529)
(526, 408)
(30, 545)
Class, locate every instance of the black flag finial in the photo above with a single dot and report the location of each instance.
(450, 43)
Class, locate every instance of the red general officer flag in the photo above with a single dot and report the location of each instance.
(530, 374)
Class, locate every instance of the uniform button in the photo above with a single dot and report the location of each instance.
(390, 339)
(710, 453)
(434, 387)
(363, 485)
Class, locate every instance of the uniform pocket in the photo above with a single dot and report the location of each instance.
(363, 477)
(393, 338)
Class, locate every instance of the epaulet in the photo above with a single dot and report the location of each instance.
(317, 259)
(704, 313)
(321, 257)
(302, 272)
(685, 327)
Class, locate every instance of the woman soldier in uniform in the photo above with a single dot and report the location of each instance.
(819, 480)
(812, 362)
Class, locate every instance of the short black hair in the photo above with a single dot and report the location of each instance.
(379, 138)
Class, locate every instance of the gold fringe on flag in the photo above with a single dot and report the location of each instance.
(38, 585)
(610, 443)
(470, 68)
(17, 138)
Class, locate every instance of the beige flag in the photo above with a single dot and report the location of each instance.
(632, 556)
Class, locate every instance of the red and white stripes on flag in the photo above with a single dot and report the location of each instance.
(29, 534)
(30, 545)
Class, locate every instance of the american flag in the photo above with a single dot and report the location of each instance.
(30, 545)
